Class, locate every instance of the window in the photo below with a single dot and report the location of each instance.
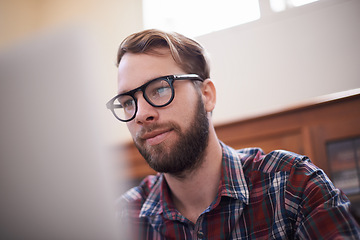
(197, 17)
(281, 5)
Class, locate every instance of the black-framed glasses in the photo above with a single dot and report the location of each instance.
(158, 92)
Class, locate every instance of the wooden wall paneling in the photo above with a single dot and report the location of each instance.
(289, 139)
(308, 143)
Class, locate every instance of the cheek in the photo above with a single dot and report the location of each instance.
(184, 114)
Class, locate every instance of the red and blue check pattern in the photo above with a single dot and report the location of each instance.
(280, 195)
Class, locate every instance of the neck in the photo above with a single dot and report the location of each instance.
(194, 191)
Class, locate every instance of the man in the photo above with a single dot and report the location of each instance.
(205, 189)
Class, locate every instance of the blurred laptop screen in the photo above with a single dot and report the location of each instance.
(55, 180)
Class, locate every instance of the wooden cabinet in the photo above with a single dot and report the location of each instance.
(304, 129)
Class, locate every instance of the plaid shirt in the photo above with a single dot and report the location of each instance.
(280, 195)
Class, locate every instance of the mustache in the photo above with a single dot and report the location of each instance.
(149, 128)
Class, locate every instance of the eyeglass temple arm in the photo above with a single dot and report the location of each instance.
(110, 105)
(188, 76)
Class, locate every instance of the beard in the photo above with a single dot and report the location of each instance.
(184, 155)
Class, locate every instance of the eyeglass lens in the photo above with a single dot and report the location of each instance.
(125, 107)
(158, 93)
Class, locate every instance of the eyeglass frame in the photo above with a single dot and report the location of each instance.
(169, 79)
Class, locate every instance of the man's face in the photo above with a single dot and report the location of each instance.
(171, 138)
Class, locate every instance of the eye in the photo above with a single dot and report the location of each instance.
(158, 89)
(161, 91)
(128, 104)
(125, 102)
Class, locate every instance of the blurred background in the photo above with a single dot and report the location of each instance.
(266, 56)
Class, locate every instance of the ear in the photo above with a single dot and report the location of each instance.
(208, 91)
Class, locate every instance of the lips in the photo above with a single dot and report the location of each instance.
(156, 136)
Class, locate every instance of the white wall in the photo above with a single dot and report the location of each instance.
(285, 58)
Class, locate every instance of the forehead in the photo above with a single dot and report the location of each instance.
(137, 69)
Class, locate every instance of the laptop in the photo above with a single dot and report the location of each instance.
(56, 174)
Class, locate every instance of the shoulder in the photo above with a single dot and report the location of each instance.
(142, 190)
(254, 159)
(259, 168)
(130, 203)
(295, 172)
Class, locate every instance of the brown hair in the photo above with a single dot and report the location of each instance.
(186, 52)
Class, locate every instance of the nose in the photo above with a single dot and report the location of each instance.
(145, 112)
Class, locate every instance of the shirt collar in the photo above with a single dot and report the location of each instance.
(232, 185)
(152, 205)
